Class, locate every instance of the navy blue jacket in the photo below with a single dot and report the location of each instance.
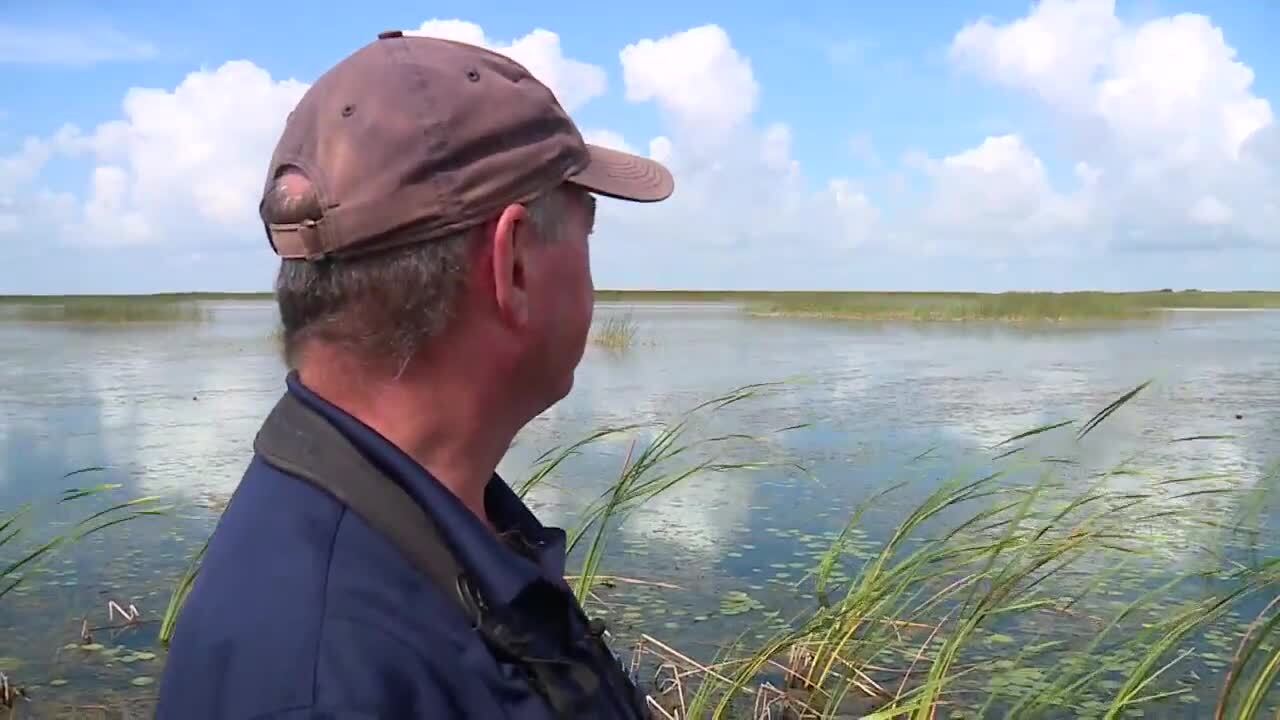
(301, 610)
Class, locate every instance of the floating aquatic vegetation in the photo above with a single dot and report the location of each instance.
(736, 602)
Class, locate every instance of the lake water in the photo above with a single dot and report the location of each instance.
(172, 411)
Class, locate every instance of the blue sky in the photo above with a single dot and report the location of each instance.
(988, 146)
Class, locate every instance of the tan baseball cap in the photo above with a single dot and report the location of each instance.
(437, 135)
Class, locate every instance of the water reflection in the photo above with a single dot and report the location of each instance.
(186, 423)
(173, 412)
(177, 408)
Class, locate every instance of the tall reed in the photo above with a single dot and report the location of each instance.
(908, 635)
(653, 470)
(14, 528)
(1016, 557)
(20, 555)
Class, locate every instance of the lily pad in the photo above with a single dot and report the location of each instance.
(736, 602)
(58, 683)
(142, 681)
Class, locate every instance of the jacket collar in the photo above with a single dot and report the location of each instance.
(501, 573)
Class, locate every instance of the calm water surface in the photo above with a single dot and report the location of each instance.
(172, 412)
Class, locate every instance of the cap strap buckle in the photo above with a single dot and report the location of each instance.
(298, 240)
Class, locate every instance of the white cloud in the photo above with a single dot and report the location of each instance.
(184, 166)
(69, 46)
(1163, 111)
(1175, 81)
(996, 198)
(736, 184)
(108, 217)
(181, 167)
(608, 139)
(695, 76)
(573, 82)
(1209, 210)
(25, 165)
(195, 153)
(1055, 51)
(1167, 146)
(751, 194)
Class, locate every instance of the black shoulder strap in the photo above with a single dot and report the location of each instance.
(302, 443)
(299, 441)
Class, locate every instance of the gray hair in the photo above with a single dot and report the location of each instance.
(384, 307)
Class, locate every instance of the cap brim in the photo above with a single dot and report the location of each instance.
(624, 176)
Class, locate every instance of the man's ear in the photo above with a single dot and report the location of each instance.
(510, 265)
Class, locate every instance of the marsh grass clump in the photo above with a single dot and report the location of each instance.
(616, 333)
(108, 309)
(1023, 307)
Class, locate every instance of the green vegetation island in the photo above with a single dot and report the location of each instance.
(874, 306)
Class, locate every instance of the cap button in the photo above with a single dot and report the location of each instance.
(388, 34)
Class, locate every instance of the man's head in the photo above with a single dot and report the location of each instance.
(431, 202)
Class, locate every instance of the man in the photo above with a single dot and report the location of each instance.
(431, 202)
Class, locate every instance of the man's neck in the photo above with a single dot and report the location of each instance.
(446, 430)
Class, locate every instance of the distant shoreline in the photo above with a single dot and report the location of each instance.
(604, 294)
(1220, 309)
(850, 306)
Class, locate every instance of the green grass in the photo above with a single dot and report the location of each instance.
(104, 309)
(1010, 307)
(958, 306)
(1029, 589)
(18, 556)
(855, 306)
(153, 297)
(942, 619)
(617, 333)
(649, 471)
(23, 552)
